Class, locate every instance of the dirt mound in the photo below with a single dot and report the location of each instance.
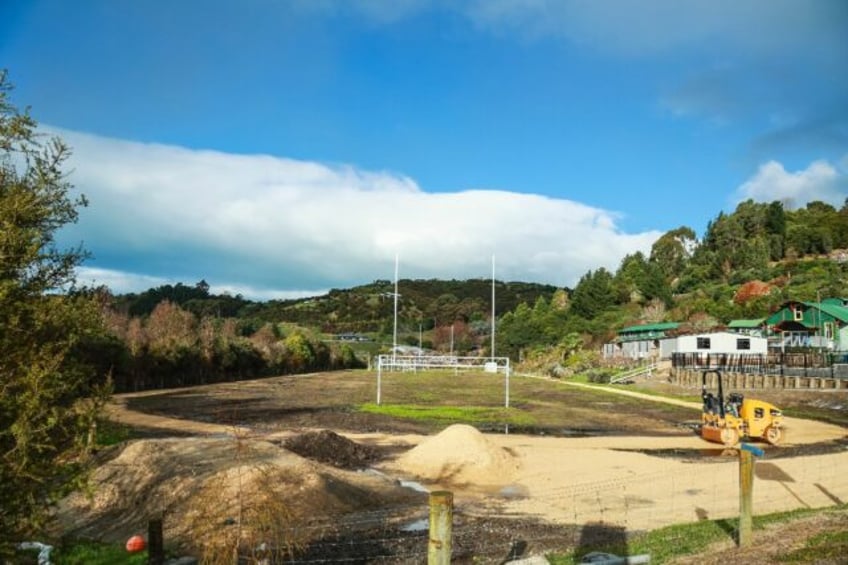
(202, 484)
(460, 454)
(329, 447)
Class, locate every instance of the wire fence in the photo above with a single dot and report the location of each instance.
(581, 516)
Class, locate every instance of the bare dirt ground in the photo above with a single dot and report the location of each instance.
(604, 467)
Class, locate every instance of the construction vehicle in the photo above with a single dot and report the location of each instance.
(728, 420)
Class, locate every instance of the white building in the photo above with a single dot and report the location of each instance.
(719, 343)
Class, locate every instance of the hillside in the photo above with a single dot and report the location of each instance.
(366, 309)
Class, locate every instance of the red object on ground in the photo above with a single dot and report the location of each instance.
(136, 543)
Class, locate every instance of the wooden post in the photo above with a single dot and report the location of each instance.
(155, 543)
(441, 523)
(746, 491)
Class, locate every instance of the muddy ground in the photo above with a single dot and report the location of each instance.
(296, 412)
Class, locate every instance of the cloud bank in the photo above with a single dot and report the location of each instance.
(819, 181)
(270, 227)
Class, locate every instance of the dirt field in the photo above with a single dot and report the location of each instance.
(589, 465)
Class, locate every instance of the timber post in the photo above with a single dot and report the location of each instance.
(441, 524)
(746, 492)
(155, 542)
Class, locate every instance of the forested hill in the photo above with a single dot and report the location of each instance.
(367, 308)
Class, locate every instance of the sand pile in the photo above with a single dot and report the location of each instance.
(460, 454)
(206, 482)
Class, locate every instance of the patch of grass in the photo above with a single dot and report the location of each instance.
(824, 547)
(453, 414)
(838, 417)
(93, 553)
(111, 433)
(693, 539)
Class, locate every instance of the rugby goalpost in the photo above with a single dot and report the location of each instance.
(403, 363)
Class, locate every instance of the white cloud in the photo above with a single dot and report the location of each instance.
(121, 282)
(652, 26)
(257, 224)
(118, 282)
(819, 181)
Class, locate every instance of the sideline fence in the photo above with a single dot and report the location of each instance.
(590, 515)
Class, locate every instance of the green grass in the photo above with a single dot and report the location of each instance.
(831, 416)
(453, 414)
(683, 540)
(434, 398)
(111, 433)
(78, 552)
(825, 547)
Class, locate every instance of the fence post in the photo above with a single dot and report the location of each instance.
(746, 492)
(441, 524)
(155, 543)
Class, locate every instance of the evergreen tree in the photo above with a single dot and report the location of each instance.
(593, 294)
(43, 418)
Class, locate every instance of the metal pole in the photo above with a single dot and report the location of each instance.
(379, 377)
(493, 307)
(506, 372)
(394, 334)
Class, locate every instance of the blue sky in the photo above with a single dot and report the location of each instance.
(282, 148)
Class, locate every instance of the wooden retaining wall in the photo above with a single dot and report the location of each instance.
(741, 381)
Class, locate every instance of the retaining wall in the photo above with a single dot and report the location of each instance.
(742, 381)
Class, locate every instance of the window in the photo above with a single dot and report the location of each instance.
(798, 314)
(703, 343)
(828, 330)
(759, 412)
(743, 343)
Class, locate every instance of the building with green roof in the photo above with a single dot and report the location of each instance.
(640, 342)
(811, 324)
(753, 327)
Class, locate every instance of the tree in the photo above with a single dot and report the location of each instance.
(43, 382)
(593, 294)
(672, 251)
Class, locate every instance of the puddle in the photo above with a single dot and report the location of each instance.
(421, 525)
(418, 487)
(513, 492)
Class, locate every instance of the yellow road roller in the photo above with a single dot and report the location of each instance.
(727, 420)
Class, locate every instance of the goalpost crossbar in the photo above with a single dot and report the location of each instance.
(424, 362)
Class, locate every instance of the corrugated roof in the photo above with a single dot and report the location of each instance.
(746, 323)
(662, 326)
(838, 312)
